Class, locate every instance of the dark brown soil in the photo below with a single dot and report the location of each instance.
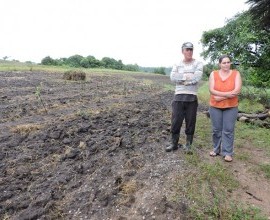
(88, 150)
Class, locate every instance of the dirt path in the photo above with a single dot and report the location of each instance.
(97, 154)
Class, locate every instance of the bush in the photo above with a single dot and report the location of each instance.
(160, 70)
(250, 106)
(48, 61)
(74, 75)
(256, 95)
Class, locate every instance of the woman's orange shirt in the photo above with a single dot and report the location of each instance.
(226, 85)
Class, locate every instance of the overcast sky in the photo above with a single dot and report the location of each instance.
(143, 32)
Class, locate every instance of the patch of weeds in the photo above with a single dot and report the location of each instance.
(252, 135)
(266, 169)
(242, 156)
(128, 187)
(239, 212)
(193, 159)
(126, 190)
(206, 188)
(38, 95)
(203, 135)
(168, 87)
(240, 143)
(83, 88)
(249, 106)
(26, 128)
(87, 113)
(128, 78)
(147, 82)
(256, 96)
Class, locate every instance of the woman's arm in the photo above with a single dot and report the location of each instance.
(230, 94)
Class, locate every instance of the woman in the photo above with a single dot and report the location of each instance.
(224, 86)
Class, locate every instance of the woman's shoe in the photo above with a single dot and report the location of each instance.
(228, 158)
(213, 154)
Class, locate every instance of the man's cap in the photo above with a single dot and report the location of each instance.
(187, 45)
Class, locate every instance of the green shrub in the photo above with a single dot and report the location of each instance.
(250, 106)
(256, 95)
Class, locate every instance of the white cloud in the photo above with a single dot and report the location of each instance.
(146, 32)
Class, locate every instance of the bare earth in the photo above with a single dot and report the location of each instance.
(98, 151)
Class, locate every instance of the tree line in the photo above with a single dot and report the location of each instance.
(79, 61)
(89, 62)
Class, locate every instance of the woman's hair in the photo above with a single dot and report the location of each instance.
(222, 57)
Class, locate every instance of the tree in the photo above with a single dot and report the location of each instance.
(238, 38)
(112, 63)
(75, 60)
(260, 10)
(48, 61)
(62, 61)
(244, 40)
(207, 69)
(93, 62)
(85, 63)
(131, 67)
(160, 70)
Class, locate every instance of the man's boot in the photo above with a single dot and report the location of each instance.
(187, 146)
(174, 143)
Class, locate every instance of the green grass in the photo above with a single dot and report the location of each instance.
(246, 134)
(203, 132)
(203, 93)
(207, 187)
(168, 87)
(255, 95)
(266, 169)
(243, 156)
(206, 190)
(18, 66)
(250, 106)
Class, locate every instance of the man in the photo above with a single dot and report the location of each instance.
(186, 75)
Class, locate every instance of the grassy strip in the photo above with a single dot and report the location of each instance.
(248, 134)
(207, 188)
(18, 66)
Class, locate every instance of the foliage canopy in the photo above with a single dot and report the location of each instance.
(246, 42)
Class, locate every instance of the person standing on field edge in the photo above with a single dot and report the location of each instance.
(224, 86)
(186, 75)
